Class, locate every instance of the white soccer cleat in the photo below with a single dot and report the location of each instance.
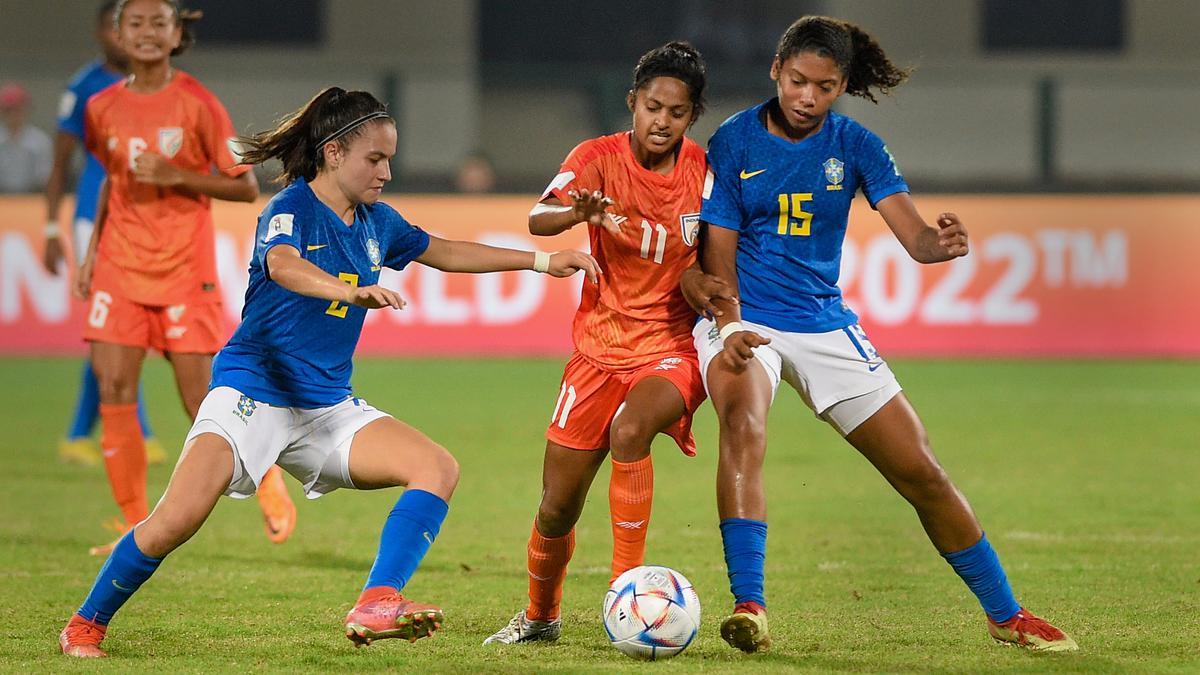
(521, 629)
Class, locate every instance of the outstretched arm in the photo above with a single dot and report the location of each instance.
(925, 243)
(468, 256)
(550, 217)
(300, 276)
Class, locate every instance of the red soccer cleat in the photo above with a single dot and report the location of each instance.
(391, 616)
(1028, 631)
(81, 638)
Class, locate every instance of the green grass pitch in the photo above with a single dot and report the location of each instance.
(1086, 476)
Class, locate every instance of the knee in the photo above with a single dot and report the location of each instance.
(162, 533)
(116, 386)
(925, 483)
(630, 438)
(745, 428)
(555, 517)
(441, 474)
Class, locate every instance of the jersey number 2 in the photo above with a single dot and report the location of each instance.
(793, 219)
(339, 309)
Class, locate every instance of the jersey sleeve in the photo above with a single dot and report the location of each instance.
(404, 242)
(722, 205)
(579, 171)
(220, 140)
(878, 174)
(71, 106)
(279, 224)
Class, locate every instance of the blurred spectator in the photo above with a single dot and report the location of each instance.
(25, 151)
(475, 174)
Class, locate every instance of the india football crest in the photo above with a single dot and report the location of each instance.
(835, 173)
(170, 140)
(689, 226)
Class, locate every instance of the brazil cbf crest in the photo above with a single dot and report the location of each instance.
(689, 226)
(373, 253)
(245, 408)
(835, 173)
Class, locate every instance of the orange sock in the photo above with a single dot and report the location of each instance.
(125, 458)
(547, 560)
(630, 495)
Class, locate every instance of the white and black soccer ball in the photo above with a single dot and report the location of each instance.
(651, 612)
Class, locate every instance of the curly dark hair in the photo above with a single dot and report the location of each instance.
(856, 53)
(679, 60)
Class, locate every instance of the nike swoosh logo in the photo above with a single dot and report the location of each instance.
(315, 247)
(874, 367)
(537, 577)
(121, 588)
(750, 174)
(427, 537)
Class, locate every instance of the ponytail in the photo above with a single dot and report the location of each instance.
(334, 115)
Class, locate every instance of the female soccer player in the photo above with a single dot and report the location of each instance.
(634, 372)
(150, 271)
(281, 387)
(785, 172)
(97, 75)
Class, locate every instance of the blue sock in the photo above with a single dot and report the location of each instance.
(745, 543)
(979, 567)
(407, 535)
(142, 420)
(87, 408)
(126, 569)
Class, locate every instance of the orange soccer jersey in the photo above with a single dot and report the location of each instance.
(157, 244)
(636, 313)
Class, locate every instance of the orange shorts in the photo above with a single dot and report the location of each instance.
(184, 329)
(589, 399)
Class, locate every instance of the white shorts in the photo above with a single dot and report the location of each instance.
(838, 374)
(311, 444)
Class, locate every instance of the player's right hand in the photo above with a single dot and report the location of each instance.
(739, 348)
(568, 262)
(52, 256)
(375, 297)
(590, 207)
(82, 288)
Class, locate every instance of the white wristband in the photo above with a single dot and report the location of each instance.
(52, 230)
(730, 328)
(541, 261)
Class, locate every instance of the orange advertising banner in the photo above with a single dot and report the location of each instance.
(1047, 276)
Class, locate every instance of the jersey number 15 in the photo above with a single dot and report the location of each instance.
(793, 219)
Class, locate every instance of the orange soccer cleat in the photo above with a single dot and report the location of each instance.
(391, 616)
(279, 511)
(746, 629)
(81, 638)
(1028, 631)
(116, 525)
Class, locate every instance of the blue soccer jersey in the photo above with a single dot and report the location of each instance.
(295, 351)
(87, 81)
(790, 203)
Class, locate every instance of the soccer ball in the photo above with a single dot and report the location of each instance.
(651, 612)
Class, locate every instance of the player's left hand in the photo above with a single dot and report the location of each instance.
(952, 236)
(565, 263)
(154, 169)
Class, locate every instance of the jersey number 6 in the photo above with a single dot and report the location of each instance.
(793, 219)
